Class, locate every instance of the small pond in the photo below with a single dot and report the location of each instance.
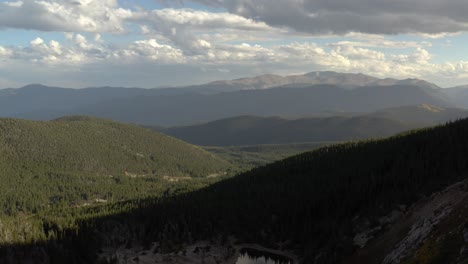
(253, 256)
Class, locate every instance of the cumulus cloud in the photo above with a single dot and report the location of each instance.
(80, 51)
(340, 17)
(180, 26)
(151, 50)
(205, 20)
(348, 57)
(4, 52)
(80, 56)
(383, 43)
(64, 15)
(245, 37)
(184, 27)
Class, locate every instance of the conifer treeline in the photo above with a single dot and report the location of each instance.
(308, 201)
(312, 198)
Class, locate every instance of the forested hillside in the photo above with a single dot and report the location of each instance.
(251, 130)
(315, 199)
(79, 160)
(315, 203)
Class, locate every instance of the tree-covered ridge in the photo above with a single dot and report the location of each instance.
(81, 160)
(255, 130)
(311, 201)
(96, 145)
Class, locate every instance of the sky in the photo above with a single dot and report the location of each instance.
(163, 43)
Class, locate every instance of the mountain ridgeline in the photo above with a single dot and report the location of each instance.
(345, 80)
(252, 130)
(286, 102)
(268, 95)
(315, 203)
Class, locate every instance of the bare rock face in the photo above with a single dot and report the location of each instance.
(364, 232)
(419, 231)
(439, 206)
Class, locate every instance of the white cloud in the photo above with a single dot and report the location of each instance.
(81, 41)
(383, 43)
(55, 47)
(348, 57)
(274, 36)
(151, 50)
(207, 20)
(36, 42)
(98, 37)
(185, 27)
(4, 52)
(14, 4)
(420, 56)
(65, 15)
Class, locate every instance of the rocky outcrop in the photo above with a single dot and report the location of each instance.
(429, 215)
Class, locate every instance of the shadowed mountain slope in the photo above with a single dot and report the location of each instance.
(251, 130)
(287, 102)
(266, 95)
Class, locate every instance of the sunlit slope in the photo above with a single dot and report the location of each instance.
(83, 159)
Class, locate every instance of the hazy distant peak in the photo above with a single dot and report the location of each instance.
(321, 74)
(344, 80)
(248, 79)
(334, 74)
(312, 78)
(34, 86)
(257, 82)
(386, 81)
(418, 82)
(37, 88)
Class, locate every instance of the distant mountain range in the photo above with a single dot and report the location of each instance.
(291, 102)
(312, 94)
(344, 80)
(251, 130)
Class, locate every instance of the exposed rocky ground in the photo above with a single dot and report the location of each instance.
(434, 230)
(199, 253)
